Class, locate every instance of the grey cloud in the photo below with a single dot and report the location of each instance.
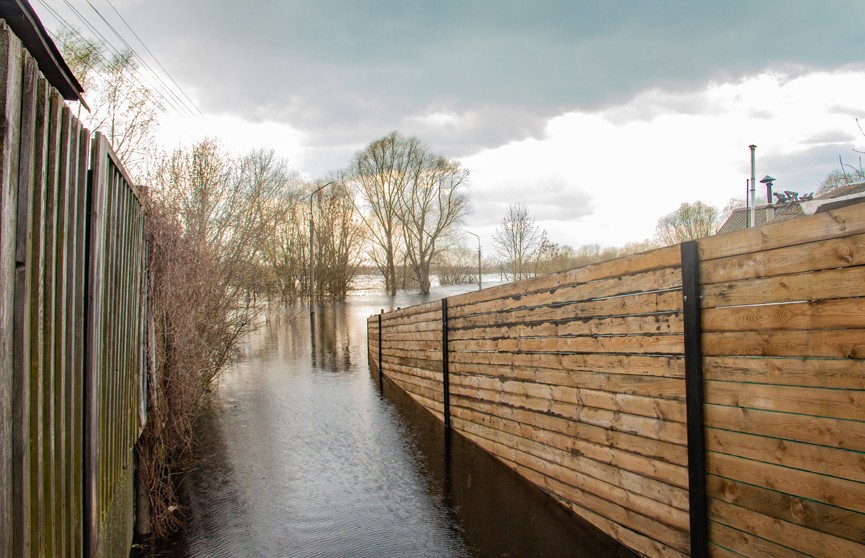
(346, 72)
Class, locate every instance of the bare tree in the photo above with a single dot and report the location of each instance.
(381, 174)
(689, 222)
(338, 237)
(518, 240)
(433, 203)
(122, 107)
(413, 200)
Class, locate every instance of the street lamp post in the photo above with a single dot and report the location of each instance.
(480, 284)
(312, 252)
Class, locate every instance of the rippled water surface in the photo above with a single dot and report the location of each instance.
(306, 457)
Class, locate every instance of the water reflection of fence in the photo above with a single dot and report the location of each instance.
(71, 315)
(578, 382)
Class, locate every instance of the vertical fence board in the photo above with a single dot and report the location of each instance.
(24, 280)
(10, 117)
(68, 355)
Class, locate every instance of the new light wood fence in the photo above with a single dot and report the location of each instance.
(71, 315)
(578, 381)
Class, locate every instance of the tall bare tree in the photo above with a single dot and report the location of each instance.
(433, 203)
(381, 172)
(689, 222)
(518, 241)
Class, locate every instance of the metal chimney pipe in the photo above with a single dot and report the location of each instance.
(752, 216)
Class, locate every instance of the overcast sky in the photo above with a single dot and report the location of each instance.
(599, 116)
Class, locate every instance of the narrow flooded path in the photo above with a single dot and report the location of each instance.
(306, 457)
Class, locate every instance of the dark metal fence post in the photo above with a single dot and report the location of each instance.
(445, 367)
(694, 400)
(380, 382)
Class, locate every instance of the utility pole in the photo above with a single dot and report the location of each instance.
(480, 284)
(312, 252)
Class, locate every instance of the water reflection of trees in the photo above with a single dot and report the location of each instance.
(330, 337)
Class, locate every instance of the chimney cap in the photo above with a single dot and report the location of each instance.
(767, 180)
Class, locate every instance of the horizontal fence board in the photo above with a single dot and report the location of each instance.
(645, 386)
(648, 261)
(827, 254)
(652, 344)
(658, 429)
(837, 223)
(661, 450)
(807, 540)
(650, 281)
(745, 544)
(569, 447)
(542, 473)
(630, 538)
(801, 511)
(648, 497)
(632, 404)
(842, 493)
(822, 314)
(667, 366)
(814, 285)
(846, 343)
(787, 453)
(825, 373)
(829, 432)
(619, 325)
(831, 403)
(636, 304)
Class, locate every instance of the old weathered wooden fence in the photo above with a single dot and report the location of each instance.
(71, 312)
(699, 399)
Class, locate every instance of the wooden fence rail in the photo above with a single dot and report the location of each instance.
(71, 309)
(585, 382)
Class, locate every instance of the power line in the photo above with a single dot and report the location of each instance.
(123, 19)
(140, 59)
(98, 52)
(163, 92)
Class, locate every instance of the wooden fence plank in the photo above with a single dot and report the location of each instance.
(815, 372)
(844, 313)
(837, 223)
(846, 343)
(826, 254)
(650, 281)
(787, 453)
(842, 493)
(745, 544)
(801, 511)
(10, 135)
(825, 284)
(641, 303)
(809, 429)
(639, 263)
(831, 403)
(809, 541)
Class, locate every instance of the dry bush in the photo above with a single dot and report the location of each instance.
(198, 321)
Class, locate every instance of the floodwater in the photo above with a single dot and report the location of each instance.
(306, 457)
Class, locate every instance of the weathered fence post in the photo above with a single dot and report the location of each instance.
(694, 400)
(445, 368)
(380, 380)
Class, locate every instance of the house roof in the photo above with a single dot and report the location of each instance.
(738, 220)
(19, 15)
(846, 190)
(848, 194)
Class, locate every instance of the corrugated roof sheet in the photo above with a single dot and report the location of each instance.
(849, 189)
(738, 220)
